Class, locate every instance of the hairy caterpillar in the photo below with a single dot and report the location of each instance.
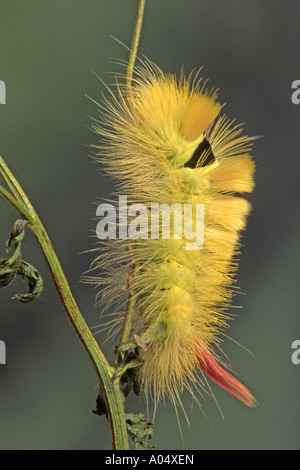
(164, 141)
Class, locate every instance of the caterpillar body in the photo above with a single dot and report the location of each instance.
(165, 142)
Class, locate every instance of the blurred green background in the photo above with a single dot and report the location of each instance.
(48, 51)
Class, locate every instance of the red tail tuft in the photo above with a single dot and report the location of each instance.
(212, 368)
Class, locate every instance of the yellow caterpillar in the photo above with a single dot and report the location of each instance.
(165, 142)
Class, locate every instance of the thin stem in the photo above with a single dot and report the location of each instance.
(15, 187)
(7, 197)
(114, 401)
(128, 319)
(126, 329)
(132, 58)
(112, 394)
(110, 390)
(135, 41)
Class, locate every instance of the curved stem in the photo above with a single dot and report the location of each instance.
(135, 41)
(110, 390)
(112, 395)
(6, 196)
(15, 188)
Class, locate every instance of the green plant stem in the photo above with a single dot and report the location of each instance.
(111, 393)
(135, 41)
(110, 390)
(7, 197)
(128, 320)
(126, 329)
(16, 190)
(131, 62)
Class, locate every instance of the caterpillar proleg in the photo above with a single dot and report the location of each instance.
(165, 141)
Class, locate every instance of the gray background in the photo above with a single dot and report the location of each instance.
(250, 51)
